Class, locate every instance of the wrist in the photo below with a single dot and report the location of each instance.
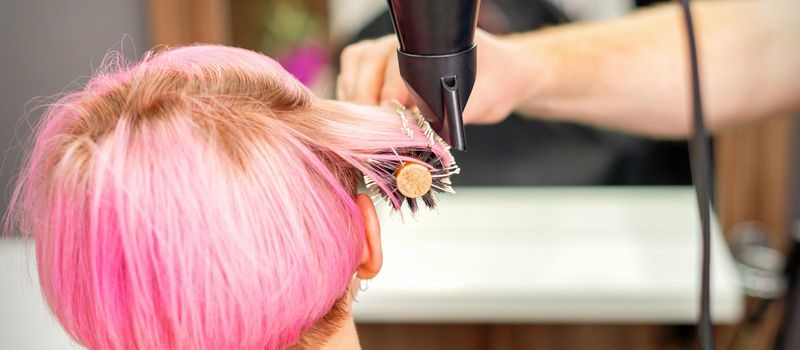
(531, 71)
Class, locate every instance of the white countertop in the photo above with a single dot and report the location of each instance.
(497, 255)
(624, 255)
(25, 321)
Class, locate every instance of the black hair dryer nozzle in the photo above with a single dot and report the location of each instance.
(437, 58)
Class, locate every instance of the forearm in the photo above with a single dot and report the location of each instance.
(632, 74)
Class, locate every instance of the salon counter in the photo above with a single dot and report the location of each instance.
(550, 255)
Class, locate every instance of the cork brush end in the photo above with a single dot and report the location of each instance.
(413, 180)
(419, 179)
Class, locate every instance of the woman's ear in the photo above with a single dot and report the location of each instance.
(371, 254)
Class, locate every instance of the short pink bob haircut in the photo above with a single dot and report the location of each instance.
(200, 199)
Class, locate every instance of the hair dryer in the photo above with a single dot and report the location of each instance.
(437, 59)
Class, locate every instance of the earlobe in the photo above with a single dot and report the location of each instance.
(372, 254)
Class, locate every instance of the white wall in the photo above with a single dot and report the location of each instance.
(347, 17)
(25, 321)
(594, 9)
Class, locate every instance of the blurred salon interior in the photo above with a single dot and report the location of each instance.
(560, 236)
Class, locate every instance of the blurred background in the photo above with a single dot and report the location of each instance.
(47, 44)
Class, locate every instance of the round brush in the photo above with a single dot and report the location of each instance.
(410, 180)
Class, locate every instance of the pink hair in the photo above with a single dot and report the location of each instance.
(200, 199)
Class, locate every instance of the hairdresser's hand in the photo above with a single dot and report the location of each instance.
(370, 75)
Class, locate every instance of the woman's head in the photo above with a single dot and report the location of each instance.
(203, 198)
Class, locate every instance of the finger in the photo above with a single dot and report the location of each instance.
(348, 63)
(340, 95)
(393, 86)
(371, 69)
(369, 77)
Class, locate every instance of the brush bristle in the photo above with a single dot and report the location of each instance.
(387, 168)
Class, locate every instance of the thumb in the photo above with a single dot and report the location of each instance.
(393, 86)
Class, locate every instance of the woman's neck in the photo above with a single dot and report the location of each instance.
(345, 338)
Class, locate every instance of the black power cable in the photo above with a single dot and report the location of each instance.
(701, 176)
